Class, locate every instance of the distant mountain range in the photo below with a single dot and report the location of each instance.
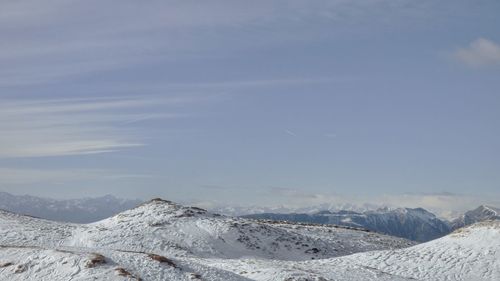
(414, 224)
(83, 210)
(232, 210)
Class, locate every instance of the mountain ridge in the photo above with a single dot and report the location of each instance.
(481, 213)
(415, 224)
(82, 210)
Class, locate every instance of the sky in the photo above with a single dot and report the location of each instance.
(263, 103)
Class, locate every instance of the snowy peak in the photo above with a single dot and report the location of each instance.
(158, 209)
(194, 231)
(487, 210)
(479, 214)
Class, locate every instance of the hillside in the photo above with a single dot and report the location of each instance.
(161, 240)
(471, 253)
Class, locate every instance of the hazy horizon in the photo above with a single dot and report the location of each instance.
(266, 103)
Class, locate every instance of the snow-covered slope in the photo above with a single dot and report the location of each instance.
(82, 210)
(471, 253)
(161, 240)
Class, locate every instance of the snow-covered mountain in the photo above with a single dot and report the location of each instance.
(414, 224)
(479, 214)
(161, 240)
(83, 210)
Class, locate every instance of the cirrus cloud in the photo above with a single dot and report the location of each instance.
(62, 127)
(480, 52)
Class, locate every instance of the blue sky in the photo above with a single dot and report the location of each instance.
(252, 102)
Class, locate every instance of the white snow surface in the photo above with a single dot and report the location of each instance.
(161, 240)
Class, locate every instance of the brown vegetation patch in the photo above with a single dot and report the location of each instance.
(5, 264)
(160, 200)
(162, 259)
(199, 210)
(195, 276)
(95, 260)
(20, 268)
(123, 272)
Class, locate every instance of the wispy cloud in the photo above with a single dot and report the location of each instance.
(299, 198)
(215, 187)
(16, 176)
(290, 133)
(61, 127)
(480, 52)
(58, 40)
